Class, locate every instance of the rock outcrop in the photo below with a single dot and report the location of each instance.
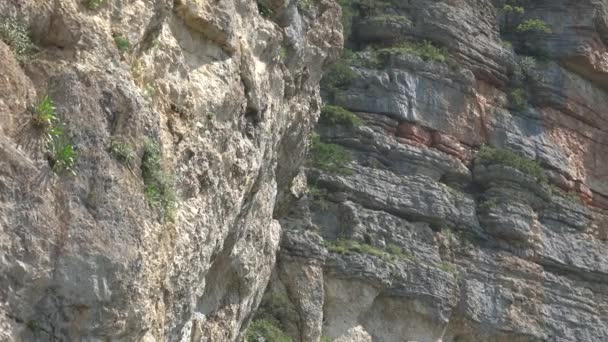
(473, 204)
(138, 201)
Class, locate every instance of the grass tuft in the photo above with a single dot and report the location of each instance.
(94, 4)
(391, 253)
(492, 155)
(334, 115)
(122, 43)
(533, 25)
(159, 185)
(425, 50)
(263, 330)
(329, 157)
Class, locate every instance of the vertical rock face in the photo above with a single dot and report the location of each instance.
(189, 120)
(473, 206)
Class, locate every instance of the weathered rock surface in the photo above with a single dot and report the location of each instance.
(229, 95)
(418, 237)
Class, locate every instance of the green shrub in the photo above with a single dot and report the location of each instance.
(514, 9)
(122, 152)
(334, 115)
(265, 331)
(16, 35)
(94, 4)
(45, 116)
(491, 155)
(122, 43)
(276, 307)
(425, 50)
(159, 185)
(345, 246)
(62, 154)
(64, 157)
(340, 76)
(329, 157)
(533, 25)
(448, 267)
(488, 205)
(365, 59)
(304, 5)
(348, 13)
(519, 99)
(264, 10)
(570, 196)
(318, 196)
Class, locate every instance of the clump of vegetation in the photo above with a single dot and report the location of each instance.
(122, 42)
(519, 99)
(263, 330)
(304, 5)
(513, 9)
(344, 246)
(570, 196)
(16, 35)
(533, 25)
(366, 59)
(448, 267)
(283, 53)
(45, 117)
(62, 154)
(488, 205)
(318, 196)
(425, 50)
(347, 16)
(273, 315)
(94, 4)
(329, 157)
(339, 77)
(122, 152)
(159, 185)
(264, 10)
(492, 155)
(334, 115)
(64, 157)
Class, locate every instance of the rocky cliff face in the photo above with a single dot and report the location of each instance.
(145, 146)
(463, 193)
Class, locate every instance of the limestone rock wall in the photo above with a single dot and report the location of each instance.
(225, 91)
(474, 206)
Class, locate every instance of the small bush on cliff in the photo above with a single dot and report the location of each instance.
(122, 43)
(519, 99)
(339, 77)
(264, 10)
(334, 115)
(94, 4)
(159, 185)
(64, 157)
(492, 155)
(425, 50)
(45, 116)
(533, 25)
(16, 35)
(329, 157)
(448, 267)
(513, 9)
(346, 246)
(61, 153)
(122, 152)
(265, 331)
